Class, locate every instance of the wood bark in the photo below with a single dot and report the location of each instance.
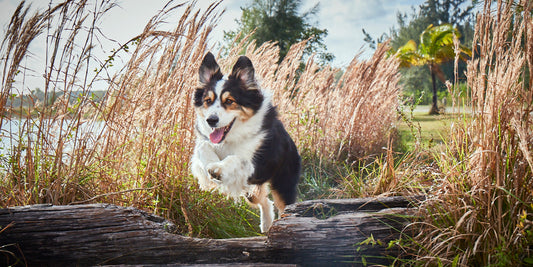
(317, 232)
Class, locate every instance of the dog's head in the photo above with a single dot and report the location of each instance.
(222, 102)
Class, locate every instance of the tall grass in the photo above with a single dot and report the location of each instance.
(334, 117)
(39, 167)
(129, 148)
(481, 214)
(348, 118)
(132, 146)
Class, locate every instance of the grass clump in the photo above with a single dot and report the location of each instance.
(131, 146)
(481, 213)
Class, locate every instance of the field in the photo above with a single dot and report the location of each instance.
(357, 138)
(434, 129)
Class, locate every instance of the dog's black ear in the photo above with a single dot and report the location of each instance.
(244, 71)
(209, 69)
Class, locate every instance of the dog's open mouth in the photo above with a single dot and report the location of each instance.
(219, 134)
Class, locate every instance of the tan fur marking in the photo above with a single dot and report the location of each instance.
(279, 203)
(259, 193)
(226, 96)
(245, 113)
(248, 112)
(209, 97)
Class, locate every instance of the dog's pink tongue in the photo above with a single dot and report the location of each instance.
(217, 135)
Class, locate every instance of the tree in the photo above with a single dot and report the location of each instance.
(410, 25)
(280, 21)
(436, 47)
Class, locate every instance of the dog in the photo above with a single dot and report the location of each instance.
(241, 145)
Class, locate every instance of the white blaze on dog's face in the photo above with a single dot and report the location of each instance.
(225, 102)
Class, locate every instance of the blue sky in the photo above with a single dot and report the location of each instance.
(344, 20)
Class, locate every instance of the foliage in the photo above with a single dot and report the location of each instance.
(435, 12)
(279, 21)
(413, 80)
(132, 146)
(437, 45)
(481, 211)
(458, 13)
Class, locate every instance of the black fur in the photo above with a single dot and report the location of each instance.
(244, 71)
(209, 73)
(199, 96)
(209, 69)
(277, 160)
(244, 97)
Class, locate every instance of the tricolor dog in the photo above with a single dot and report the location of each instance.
(241, 145)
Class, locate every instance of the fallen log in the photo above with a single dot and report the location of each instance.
(318, 232)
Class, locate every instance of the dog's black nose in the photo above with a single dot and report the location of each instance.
(212, 120)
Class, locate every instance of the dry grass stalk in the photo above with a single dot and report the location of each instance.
(49, 149)
(338, 119)
(482, 215)
(132, 148)
(149, 133)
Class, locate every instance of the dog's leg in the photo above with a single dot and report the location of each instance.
(279, 203)
(232, 173)
(203, 155)
(266, 210)
(259, 197)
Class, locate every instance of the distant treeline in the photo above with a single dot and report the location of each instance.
(38, 97)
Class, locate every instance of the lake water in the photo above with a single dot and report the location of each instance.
(71, 133)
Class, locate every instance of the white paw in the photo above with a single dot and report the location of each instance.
(215, 171)
(266, 209)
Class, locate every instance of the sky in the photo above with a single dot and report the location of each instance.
(344, 20)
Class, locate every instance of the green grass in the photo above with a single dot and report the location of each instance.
(372, 175)
(478, 173)
(432, 130)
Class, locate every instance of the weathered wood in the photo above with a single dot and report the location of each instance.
(312, 232)
(322, 232)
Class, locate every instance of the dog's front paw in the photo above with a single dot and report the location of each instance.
(215, 174)
(215, 171)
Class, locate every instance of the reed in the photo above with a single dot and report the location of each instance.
(346, 118)
(480, 213)
(50, 142)
(132, 145)
(335, 117)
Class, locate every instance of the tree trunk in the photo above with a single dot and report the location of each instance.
(434, 106)
(318, 232)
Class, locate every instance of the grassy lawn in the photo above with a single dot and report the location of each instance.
(432, 129)
(321, 180)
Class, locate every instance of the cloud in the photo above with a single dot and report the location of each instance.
(345, 20)
(346, 11)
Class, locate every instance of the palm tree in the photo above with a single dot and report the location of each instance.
(436, 47)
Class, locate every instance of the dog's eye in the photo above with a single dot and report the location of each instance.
(208, 101)
(229, 101)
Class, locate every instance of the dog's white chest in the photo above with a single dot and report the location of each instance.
(246, 148)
